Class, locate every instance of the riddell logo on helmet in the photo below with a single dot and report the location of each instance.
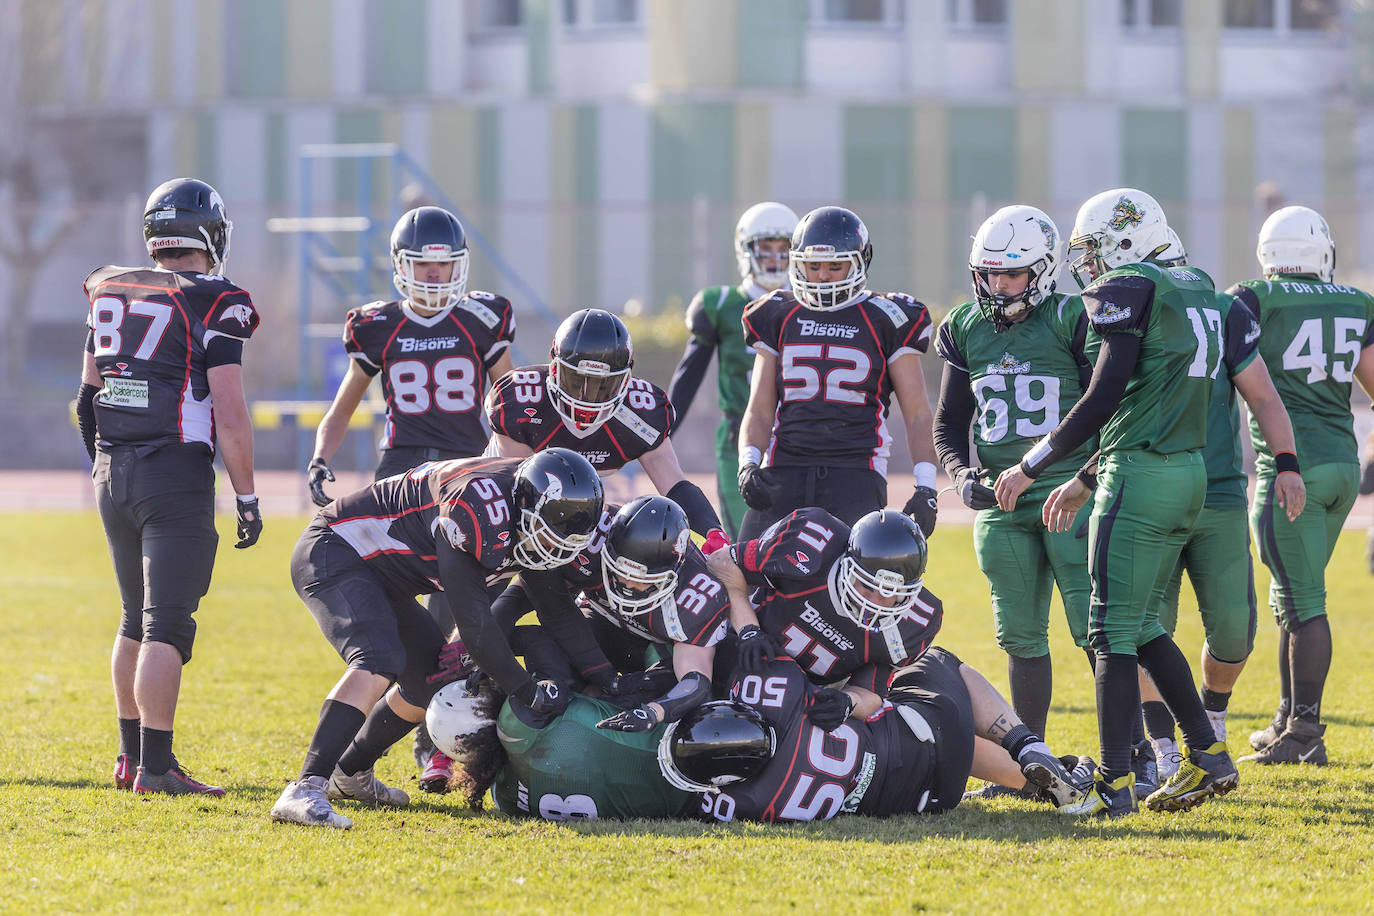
(811, 328)
(436, 250)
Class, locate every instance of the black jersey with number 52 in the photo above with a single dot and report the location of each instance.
(834, 384)
(433, 367)
(519, 407)
(149, 329)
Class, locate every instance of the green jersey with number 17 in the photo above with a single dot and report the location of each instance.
(1311, 337)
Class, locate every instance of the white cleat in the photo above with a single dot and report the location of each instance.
(1167, 757)
(365, 788)
(304, 802)
(1218, 720)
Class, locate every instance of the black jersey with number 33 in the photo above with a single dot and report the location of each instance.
(148, 332)
(833, 382)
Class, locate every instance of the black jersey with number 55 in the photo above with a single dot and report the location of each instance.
(149, 330)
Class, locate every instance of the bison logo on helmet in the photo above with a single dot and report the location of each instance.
(1126, 213)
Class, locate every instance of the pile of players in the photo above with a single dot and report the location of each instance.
(784, 670)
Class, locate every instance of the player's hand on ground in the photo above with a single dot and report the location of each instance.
(639, 719)
(757, 486)
(550, 699)
(827, 708)
(1062, 506)
(1290, 493)
(1011, 483)
(922, 508)
(454, 664)
(756, 648)
(968, 484)
(249, 522)
(316, 474)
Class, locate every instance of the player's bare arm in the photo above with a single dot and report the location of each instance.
(501, 367)
(506, 447)
(1257, 388)
(233, 425)
(728, 573)
(334, 426)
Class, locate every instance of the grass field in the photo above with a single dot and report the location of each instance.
(1286, 840)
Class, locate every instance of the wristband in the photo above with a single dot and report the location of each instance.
(1087, 478)
(1285, 462)
(1038, 458)
(245, 498)
(750, 455)
(925, 474)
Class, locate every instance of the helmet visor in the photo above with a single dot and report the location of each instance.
(588, 393)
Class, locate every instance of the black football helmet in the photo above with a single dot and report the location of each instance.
(886, 558)
(429, 234)
(823, 236)
(716, 744)
(589, 367)
(187, 213)
(558, 501)
(645, 547)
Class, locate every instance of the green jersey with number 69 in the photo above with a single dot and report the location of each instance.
(1024, 377)
(1164, 408)
(1311, 336)
(715, 317)
(572, 770)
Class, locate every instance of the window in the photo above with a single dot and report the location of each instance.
(1313, 14)
(584, 14)
(1249, 14)
(496, 15)
(1151, 14)
(977, 13)
(859, 12)
(1283, 17)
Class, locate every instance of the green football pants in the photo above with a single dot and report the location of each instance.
(1217, 557)
(732, 505)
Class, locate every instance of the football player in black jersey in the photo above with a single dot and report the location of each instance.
(588, 401)
(450, 526)
(162, 388)
(829, 353)
(434, 348)
(845, 603)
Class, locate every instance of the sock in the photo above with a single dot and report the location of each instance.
(1118, 702)
(130, 739)
(1285, 675)
(1032, 683)
(156, 755)
(1019, 739)
(1309, 657)
(1215, 701)
(380, 730)
(1138, 722)
(1157, 719)
(1174, 680)
(339, 722)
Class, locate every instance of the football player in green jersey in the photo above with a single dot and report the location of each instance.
(763, 237)
(1147, 401)
(1217, 553)
(1318, 338)
(1015, 362)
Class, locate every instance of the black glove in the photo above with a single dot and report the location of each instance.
(250, 522)
(757, 486)
(756, 648)
(657, 680)
(639, 719)
(549, 698)
(454, 664)
(316, 474)
(974, 494)
(922, 508)
(828, 708)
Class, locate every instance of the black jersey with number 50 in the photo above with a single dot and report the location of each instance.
(834, 384)
(148, 332)
(433, 367)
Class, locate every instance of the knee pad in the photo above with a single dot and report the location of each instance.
(175, 627)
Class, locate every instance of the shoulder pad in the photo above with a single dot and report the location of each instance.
(635, 424)
(481, 305)
(893, 311)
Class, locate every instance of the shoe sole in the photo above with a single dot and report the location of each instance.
(435, 785)
(282, 819)
(1044, 779)
(1216, 787)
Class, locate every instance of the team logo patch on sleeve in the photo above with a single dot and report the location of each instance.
(452, 532)
(1108, 312)
(240, 313)
(891, 309)
(634, 424)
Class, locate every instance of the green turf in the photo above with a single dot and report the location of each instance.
(1285, 840)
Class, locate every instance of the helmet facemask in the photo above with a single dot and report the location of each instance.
(631, 588)
(1006, 309)
(432, 296)
(540, 545)
(889, 585)
(831, 294)
(587, 394)
(769, 269)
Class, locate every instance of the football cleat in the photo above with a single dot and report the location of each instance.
(1218, 719)
(1301, 743)
(1105, 799)
(124, 772)
(996, 790)
(1167, 757)
(1050, 778)
(1202, 775)
(305, 802)
(175, 781)
(365, 788)
(1270, 733)
(437, 773)
(1144, 768)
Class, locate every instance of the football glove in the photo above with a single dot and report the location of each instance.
(655, 679)
(922, 508)
(454, 664)
(316, 474)
(757, 487)
(639, 719)
(250, 522)
(716, 540)
(967, 482)
(828, 708)
(756, 648)
(549, 698)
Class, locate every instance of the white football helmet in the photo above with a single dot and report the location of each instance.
(455, 715)
(767, 220)
(1014, 238)
(1115, 228)
(1296, 240)
(1175, 255)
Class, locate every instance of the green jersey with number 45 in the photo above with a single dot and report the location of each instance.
(1024, 377)
(1311, 336)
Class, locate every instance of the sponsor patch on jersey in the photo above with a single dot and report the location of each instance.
(484, 314)
(531, 416)
(892, 309)
(125, 392)
(122, 369)
(1110, 313)
(634, 424)
(810, 328)
(1009, 365)
(412, 345)
(800, 560)
(866, 771)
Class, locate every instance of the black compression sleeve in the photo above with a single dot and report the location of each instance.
(701, 515)
(1115, 363)
(223, 351)
(686, 695)
(85, 416)
(687, 377)
(561, 618)
(510, 606)
(953, 417)
(465, 587)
